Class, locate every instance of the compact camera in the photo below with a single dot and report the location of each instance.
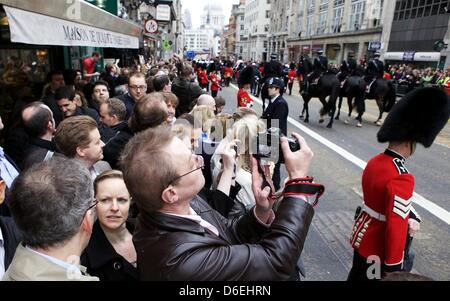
(268, 145)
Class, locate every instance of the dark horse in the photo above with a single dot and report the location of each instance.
(384, 93)
(381, 90)
(328, 85)
(353, 89)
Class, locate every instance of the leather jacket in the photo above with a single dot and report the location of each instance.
(175, 248)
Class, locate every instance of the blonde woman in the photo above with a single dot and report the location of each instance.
(243, 130)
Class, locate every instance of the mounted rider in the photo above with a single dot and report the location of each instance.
(320, 66)
(272, 68)
(374, 70)
(348, 66)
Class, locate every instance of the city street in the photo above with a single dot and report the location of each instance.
(340, 155)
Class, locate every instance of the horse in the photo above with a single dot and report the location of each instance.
(384, 93)
(353, 89)
(328, 85)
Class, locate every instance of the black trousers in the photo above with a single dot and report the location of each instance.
(290, 85)
(358, 271)
(276, 176)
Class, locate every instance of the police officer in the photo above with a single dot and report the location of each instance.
(348, 66)
(375, 68)
(276, 110)
(383, 230)
(320, 66)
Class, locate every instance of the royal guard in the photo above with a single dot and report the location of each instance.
(215, 82)
(203, 78)
(291, 77)
(244, 83)
(386, 222)
(228, 73)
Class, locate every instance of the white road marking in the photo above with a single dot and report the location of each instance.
(431, 207)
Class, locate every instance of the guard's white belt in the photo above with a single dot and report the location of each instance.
(374, 214)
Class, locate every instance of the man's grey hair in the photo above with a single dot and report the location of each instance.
(49, 200)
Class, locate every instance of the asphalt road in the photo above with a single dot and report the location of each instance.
(327, 254)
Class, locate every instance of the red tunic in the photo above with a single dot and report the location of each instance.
(228, 71)
(291, 75)
(202, 77)
(243, 99)
(214, 82)
(382, 227)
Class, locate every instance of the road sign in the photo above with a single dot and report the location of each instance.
(151, 26)
(190, 54)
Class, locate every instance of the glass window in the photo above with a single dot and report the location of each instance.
(309, 25)
(420, 11)
(338, 13)
(435, 9)
(409, 4)
(357, 14)
(322, 23)
(407, 14)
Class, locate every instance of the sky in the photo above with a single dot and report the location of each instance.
(196, 8)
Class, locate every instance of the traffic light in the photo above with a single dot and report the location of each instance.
(440, 45)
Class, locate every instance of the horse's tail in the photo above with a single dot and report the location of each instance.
(390, 97)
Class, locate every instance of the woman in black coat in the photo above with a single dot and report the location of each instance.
(111, 255)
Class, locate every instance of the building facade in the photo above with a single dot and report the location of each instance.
(337, 27)
(281, 14)
(417, 27)
(199, 40)
(213, 18)
(239, 13)
(256, 28)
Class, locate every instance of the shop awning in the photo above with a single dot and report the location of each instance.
(37, 29)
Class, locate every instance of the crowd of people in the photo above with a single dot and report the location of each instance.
(139, 175)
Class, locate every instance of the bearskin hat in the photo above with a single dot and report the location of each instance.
(245, 76)
(212, 67)
(419, 116)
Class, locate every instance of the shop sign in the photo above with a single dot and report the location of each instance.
(408, 56)
(374, 45)
(163, 12)
(32, 28)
